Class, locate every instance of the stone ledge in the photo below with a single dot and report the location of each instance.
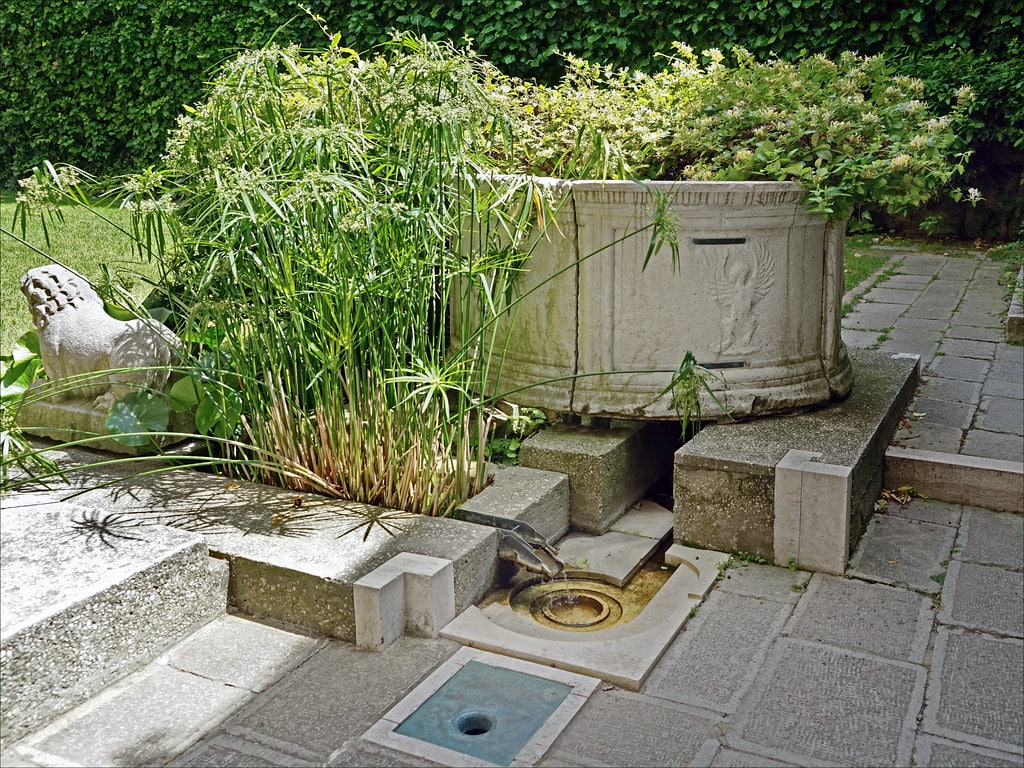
(725, 478)
(1015, 315)
(79, 615)
(293, 557)
(958, 479)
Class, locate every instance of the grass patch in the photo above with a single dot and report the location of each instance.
(1012, 257)
(82, 242)
(859, 263)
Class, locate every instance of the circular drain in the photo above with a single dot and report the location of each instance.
(474, 723)
(573, 609)
(576, 605)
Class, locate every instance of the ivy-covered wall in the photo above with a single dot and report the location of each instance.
(98, 83)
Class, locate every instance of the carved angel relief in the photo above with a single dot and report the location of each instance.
(738, 276)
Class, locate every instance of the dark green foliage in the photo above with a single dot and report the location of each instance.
(99, 83)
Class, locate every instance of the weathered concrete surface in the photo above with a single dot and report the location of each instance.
(609, 469)
(725, 477)
(533, 496)
(951, 477)
(293, 557)
(79, 614)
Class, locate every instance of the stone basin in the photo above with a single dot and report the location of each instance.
(755, 294)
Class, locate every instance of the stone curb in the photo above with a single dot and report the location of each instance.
(956, 478)
(1015, 315)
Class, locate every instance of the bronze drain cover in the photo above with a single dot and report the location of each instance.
(573, 609)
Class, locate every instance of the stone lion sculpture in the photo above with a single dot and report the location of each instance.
(76, 336)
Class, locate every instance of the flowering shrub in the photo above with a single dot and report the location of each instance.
(848, 130)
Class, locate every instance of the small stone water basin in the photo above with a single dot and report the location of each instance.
(579, 604)
(658, 599)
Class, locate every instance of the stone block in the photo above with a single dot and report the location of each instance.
(724, 480)
(609, 469)
(80, 614)
(410, 592)
(958, 479)
(812, 512)
(534, 496)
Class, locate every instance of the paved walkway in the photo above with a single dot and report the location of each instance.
(916, 658)
(950, 312)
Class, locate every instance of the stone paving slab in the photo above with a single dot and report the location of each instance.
(661, 733)
(242, 653)
(230, 752)
(927, 511)
(835, 611)
(915, 334)
(973, 332)
(981, 350)
(933, 752)
(859, 339)
(732, 758)
(813, 705)
(889, 295)
(962, 368)
(983, 597)
(336, 695)
(926, 350)
(875, 317)
(965, 701)
(361, 754)
(928, 436)
(944, 412)
(993, 445)
(765, 581)
(951, 390)
(615, 556)
(1000, 414)
(712, 664)
(992, 538)
(910, 322)
(146, 720)
(995, 387)
(903, 552)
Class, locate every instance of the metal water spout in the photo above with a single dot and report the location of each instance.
(519, 543)
(536, 559)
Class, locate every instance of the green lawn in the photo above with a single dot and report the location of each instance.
(83, 242)
(859, 261)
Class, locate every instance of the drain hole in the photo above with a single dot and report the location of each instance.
(474, 723)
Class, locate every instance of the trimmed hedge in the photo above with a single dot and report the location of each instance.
(98, 83)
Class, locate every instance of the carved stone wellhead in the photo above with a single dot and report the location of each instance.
(755, 294)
